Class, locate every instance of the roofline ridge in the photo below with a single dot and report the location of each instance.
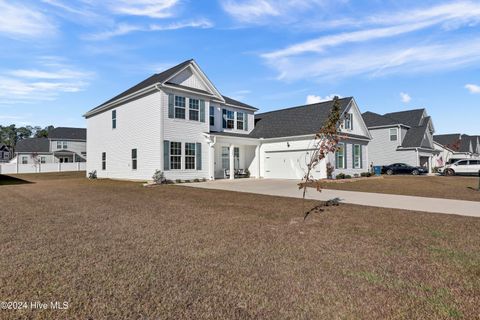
(301, 106)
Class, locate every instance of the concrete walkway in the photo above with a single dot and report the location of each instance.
(289, 188)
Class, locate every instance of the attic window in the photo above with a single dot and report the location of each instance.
(348, 121)
(393, 134)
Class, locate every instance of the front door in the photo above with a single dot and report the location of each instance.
(64, 160)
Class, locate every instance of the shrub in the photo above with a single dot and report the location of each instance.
(186, 181)
(204, 179)
(348, 176)
(356, 175)
(158, 177)
(92, 175)
(366, 174)
(247, 173)
(196, 180)
(340, 176)
(169, 182)
(178, 181)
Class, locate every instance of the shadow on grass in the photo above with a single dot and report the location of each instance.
(9, 180)
(474, 189)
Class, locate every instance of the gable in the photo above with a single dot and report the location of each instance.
(188, 78)
(359, 126)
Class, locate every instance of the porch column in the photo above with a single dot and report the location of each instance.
(232, 162)
(257, 160)
(211, 162)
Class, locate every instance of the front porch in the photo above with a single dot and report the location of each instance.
(241, 154)
(67, 156)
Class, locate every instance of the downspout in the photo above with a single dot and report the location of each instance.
(418, 159)
(162, 129)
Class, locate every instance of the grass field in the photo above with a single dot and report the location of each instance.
(461, 188)
(116, 250)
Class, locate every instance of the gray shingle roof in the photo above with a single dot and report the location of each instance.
(467, 141)
(414, 137)
(33, 145)
(450, 141)
(373, 119)
(158, 77)
(68, 133)
(410, 118)
(162, 77)
(296, 121)
(237, 103)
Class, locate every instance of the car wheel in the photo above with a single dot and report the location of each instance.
(389, 172)
(415, 172)
(449, 172)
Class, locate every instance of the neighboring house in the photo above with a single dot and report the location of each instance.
(178, 122)
(4, 153)
(62, 145)
(456, 146)
(401, 137)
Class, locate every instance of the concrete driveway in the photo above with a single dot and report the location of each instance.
(289, 188)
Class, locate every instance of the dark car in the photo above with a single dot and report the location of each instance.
(402, 168)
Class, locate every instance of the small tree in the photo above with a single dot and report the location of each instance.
(326, 141)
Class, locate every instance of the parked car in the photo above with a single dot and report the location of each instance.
(463, 167)
(402, 168)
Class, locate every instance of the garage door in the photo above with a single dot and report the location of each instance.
(285, 164)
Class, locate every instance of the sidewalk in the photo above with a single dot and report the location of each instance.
(289, 188)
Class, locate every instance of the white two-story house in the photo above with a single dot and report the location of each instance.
(401, 137)
(62, 145)
(178, 122)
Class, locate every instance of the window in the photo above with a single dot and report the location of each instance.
(357, 156)
(236, 157)
(59, 145)
(462, 163)
(474, 162)
(393, 134)
(340, 157)
(43, 159)
(348, 121)
(193, 110)
(24, 160)
(189, 156)
(240, 120)
(225, 158)
(65, 145)
(114, 119)
(175, 155)
(134, 159)
(230, 119)
(179, 107)
(104, 161)
(212, 116)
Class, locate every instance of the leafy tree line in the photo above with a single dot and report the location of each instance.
(10, 135)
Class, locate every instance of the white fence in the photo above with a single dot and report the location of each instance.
(14, 168)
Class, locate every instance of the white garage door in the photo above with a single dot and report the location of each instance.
(285, 164)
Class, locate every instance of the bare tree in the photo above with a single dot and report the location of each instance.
(326, 142)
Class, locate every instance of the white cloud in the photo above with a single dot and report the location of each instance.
(123, 29)
(365, 54)
(249, 11)
(394, 59)
(147, 8)
(259, 11)
(405, 97)
(316, 99)
(473, 88)
(33, 85)
(19, 21)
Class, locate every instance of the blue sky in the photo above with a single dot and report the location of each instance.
(61, 58)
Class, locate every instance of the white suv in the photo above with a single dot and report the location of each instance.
(463, 167)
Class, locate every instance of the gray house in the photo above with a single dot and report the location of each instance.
(4, 153)
(401, 137)
(62, 145)
(456, 146)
